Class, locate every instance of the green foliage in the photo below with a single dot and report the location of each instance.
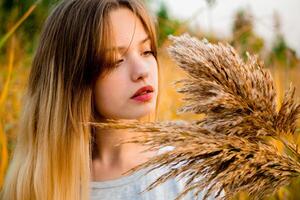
(282, 54)
(244, 37)
(166, 24)
(12, 10)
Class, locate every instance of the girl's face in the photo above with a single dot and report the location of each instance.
(136, 68)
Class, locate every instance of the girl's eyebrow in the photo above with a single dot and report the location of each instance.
(123, 48)
(144, 40)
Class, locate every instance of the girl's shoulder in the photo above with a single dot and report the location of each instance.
(165, 149)
(178, 184)
(134, 186)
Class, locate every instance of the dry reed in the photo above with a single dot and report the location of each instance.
(227, 151)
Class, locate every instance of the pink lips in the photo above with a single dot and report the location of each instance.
(143, 94)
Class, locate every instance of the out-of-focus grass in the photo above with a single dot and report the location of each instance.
(10, 97)
(3, 97)
(4, 38)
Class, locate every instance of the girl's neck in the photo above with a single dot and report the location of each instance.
(111, 159)
(109, 150)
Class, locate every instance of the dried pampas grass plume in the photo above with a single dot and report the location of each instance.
(227, 151)
(211, 162)
(238, 98)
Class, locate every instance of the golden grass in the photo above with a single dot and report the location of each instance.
(3, 154)
(5, 111)
(3, 97)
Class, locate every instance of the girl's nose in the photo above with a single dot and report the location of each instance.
(140, 68)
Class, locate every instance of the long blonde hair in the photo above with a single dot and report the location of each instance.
(52, 158)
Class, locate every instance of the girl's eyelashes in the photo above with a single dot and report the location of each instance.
(119, 61)
(146, 53)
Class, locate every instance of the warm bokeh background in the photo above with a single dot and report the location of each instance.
(20, 25)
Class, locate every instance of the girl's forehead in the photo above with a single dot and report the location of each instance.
(127, 28)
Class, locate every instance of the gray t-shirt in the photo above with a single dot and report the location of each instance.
(129, 187)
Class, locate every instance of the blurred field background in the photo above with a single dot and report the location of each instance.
(20, 25)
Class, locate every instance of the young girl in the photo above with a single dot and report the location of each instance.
(97, 59)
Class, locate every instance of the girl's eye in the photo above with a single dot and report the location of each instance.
(118, 62)
(147, 53)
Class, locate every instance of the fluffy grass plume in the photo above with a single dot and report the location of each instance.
(227, 151)
(238, 98)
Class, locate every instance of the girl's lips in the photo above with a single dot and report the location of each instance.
(142, 90)
(144, 97)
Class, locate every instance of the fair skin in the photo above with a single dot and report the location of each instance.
(137, 67)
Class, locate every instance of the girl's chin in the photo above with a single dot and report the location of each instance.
(139, 116)
(144, 114)
(134, 112)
